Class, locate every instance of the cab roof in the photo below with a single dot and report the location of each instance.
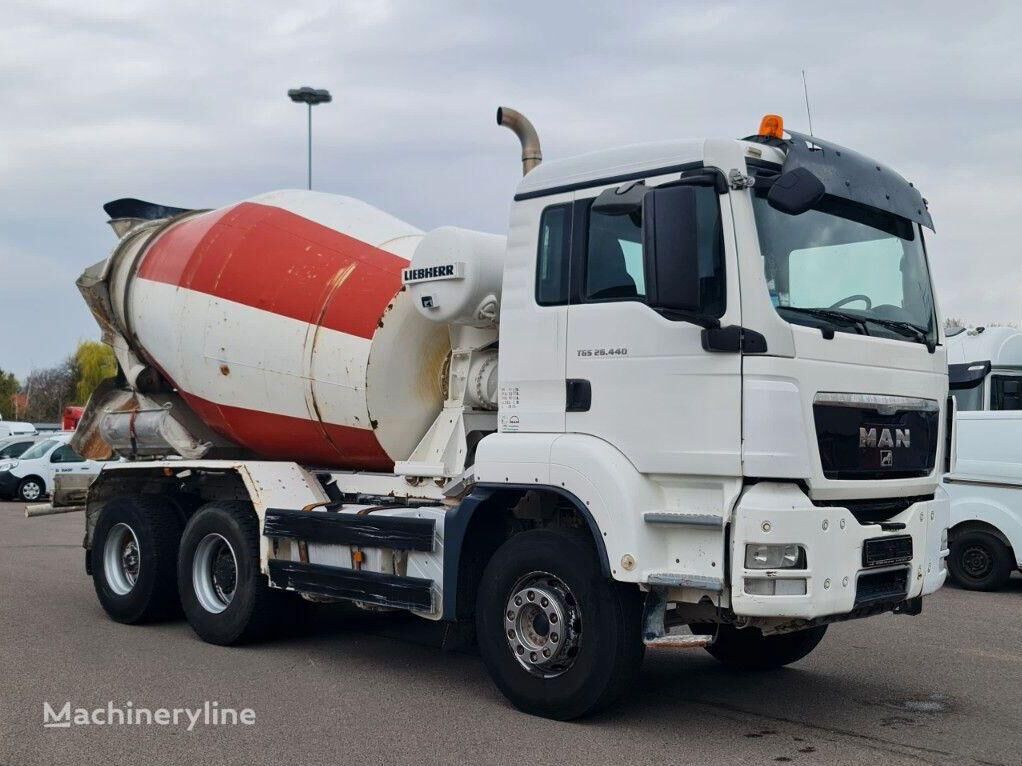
(620, 164)
(1001, 346)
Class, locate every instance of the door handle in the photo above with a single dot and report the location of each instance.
(579, 395)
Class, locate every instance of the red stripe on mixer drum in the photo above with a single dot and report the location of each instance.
(271, 259)
(283, 437)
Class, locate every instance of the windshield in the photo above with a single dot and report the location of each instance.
(849, 268)
(14, 449)
(39, 450)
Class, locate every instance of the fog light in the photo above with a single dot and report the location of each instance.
(774, 587)
(764, 556)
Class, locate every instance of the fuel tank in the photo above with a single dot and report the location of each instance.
(282, 323)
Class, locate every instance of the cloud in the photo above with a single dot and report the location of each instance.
(184, 103)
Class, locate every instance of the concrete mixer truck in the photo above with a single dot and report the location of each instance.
(695, 398)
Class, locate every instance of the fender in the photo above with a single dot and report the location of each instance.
(456, 525)
(268, 484)
(617, 498)
(998, 506)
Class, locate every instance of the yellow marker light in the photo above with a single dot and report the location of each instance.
(772, 126)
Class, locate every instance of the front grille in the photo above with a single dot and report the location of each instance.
(884, 551)
(862, 439)
(879, 587)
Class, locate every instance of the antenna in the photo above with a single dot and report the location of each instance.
(805, 91)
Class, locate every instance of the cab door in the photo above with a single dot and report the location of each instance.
(638, 376)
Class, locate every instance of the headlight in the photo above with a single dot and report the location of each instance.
(8, 465)
(767, 556)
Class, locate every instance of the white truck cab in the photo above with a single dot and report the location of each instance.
(985, 483)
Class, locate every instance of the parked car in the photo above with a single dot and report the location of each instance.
(985, 481)
(31, 477)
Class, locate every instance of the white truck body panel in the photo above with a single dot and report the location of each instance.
(986, 482)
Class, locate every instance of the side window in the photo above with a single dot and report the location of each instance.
(614, 265)
(554, 253)
(1005, 392)
(65, 455)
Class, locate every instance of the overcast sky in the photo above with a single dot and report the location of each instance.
(184, 103)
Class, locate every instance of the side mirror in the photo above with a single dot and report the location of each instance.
(56, 457)
(670, 239)
(795, 192)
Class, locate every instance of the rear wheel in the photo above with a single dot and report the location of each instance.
(559, 640)
(980, 561)
(133, 559)
(749, 649)
(225, 597)
(31, 489)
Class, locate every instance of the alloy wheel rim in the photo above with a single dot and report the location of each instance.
(543, 624)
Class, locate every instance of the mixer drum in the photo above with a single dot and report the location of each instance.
(283, 324)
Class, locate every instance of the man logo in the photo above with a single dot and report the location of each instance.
(886, 458)
(902, 437)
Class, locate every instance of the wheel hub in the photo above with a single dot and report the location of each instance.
(214, 573)
(543, 624)
(977, 562)
(31, 491)
(122, 559)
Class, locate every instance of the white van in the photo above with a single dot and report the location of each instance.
(985, 482)
(13, 428)
(31, 476)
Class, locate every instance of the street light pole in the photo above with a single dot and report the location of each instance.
(310, 97)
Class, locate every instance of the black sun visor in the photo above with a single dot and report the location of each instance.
(970, 375)
(852, 176)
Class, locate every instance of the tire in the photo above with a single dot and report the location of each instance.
(31, 489)
(225, 597)
(134, 560)
(980, 561)
(601, 650)
(749, 649)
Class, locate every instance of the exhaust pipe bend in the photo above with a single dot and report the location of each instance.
(532, 155)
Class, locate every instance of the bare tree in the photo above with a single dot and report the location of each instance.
(48, 391)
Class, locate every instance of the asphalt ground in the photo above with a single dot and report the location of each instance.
(941, 688)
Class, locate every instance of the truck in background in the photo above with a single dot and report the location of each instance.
(700, 386)
(985, 483)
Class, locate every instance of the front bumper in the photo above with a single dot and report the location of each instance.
(8, 484)
(836, 582)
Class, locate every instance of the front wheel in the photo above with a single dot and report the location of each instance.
(31, 489)
(979, 561)
(559, 639)
(749, 649)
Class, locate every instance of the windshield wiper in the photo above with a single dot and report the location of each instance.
(831, 316)
(905, 328)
